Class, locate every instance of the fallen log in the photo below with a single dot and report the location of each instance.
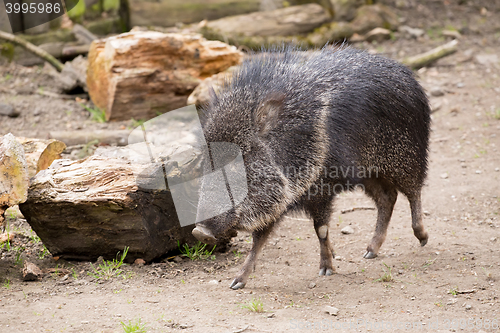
(424, 59)
(95, 207)
(143, 73)
(167, 13)
(14, 173)
(40, 153)
(73, 138)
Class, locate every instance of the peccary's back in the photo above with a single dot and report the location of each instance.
(342, 108)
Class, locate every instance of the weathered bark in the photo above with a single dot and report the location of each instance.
(95, 207)
(13, 172)
(73, 138)
(423, 59)
(281, 22)
(140, 74)
(167, 13)
(40, 153)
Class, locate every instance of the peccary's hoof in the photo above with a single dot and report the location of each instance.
(423, 242)
(369, 255)
(235, 285)
(325, 271)
(204, 235)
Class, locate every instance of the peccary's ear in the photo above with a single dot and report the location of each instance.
(268, 112)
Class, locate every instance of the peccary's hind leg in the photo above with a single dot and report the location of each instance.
(259, 239)
(321, 213)
(416, 219)
(384, 195)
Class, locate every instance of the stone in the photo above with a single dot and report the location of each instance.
(347, 230)
(369, 17)
(333, 311)
(345, 10)
(8, 110)
(31, 272)
(410, 32)
(378, 35)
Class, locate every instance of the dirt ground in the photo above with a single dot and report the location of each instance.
(451, 284)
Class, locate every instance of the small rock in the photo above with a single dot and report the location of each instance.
(427, 213)
(436, 105)
(84, 322)
(452, 33)
(213, 282)
(271, 315)
(487, 59)
(8, 110)
(493, 239)
(411, 32)
(378, 35)
(347, 230)
(31, 272)
(497, 169)
(436, 92)
(177, 259)
(139, 261)
(478, 171)
(333, 311)
(312, 285)
(460, 85)
(444, 175)
(468, 307)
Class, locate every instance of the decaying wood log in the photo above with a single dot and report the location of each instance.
(13, 172)
(141, 74)
(40, 153)
(33, 49)
(423, 59)
(280, 22)
(73, 138)
(167, 13)
(284, 25)
(97, 206)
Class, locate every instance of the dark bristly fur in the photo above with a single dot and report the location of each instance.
(312, 112)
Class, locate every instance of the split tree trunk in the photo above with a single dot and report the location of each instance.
(142, 74)
(13, 172)
(85, 209)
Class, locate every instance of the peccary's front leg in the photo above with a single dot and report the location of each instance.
(259, 239)
(320, 210)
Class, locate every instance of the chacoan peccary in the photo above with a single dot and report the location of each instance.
(310, 125)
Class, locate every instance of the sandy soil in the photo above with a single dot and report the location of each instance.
(451, 284)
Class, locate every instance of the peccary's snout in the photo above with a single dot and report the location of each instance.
(204, 235)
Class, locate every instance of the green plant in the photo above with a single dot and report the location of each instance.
(134, 326)
(453, 291)
(255, 305)
(196, 252)
(137, 123)
(73, 273)
(496, 114)
(19, 251)
(96, 114)
(6, 284)
(237, 254)
(34, 238)
(109, 268)
(387, 276)
(43, 252)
